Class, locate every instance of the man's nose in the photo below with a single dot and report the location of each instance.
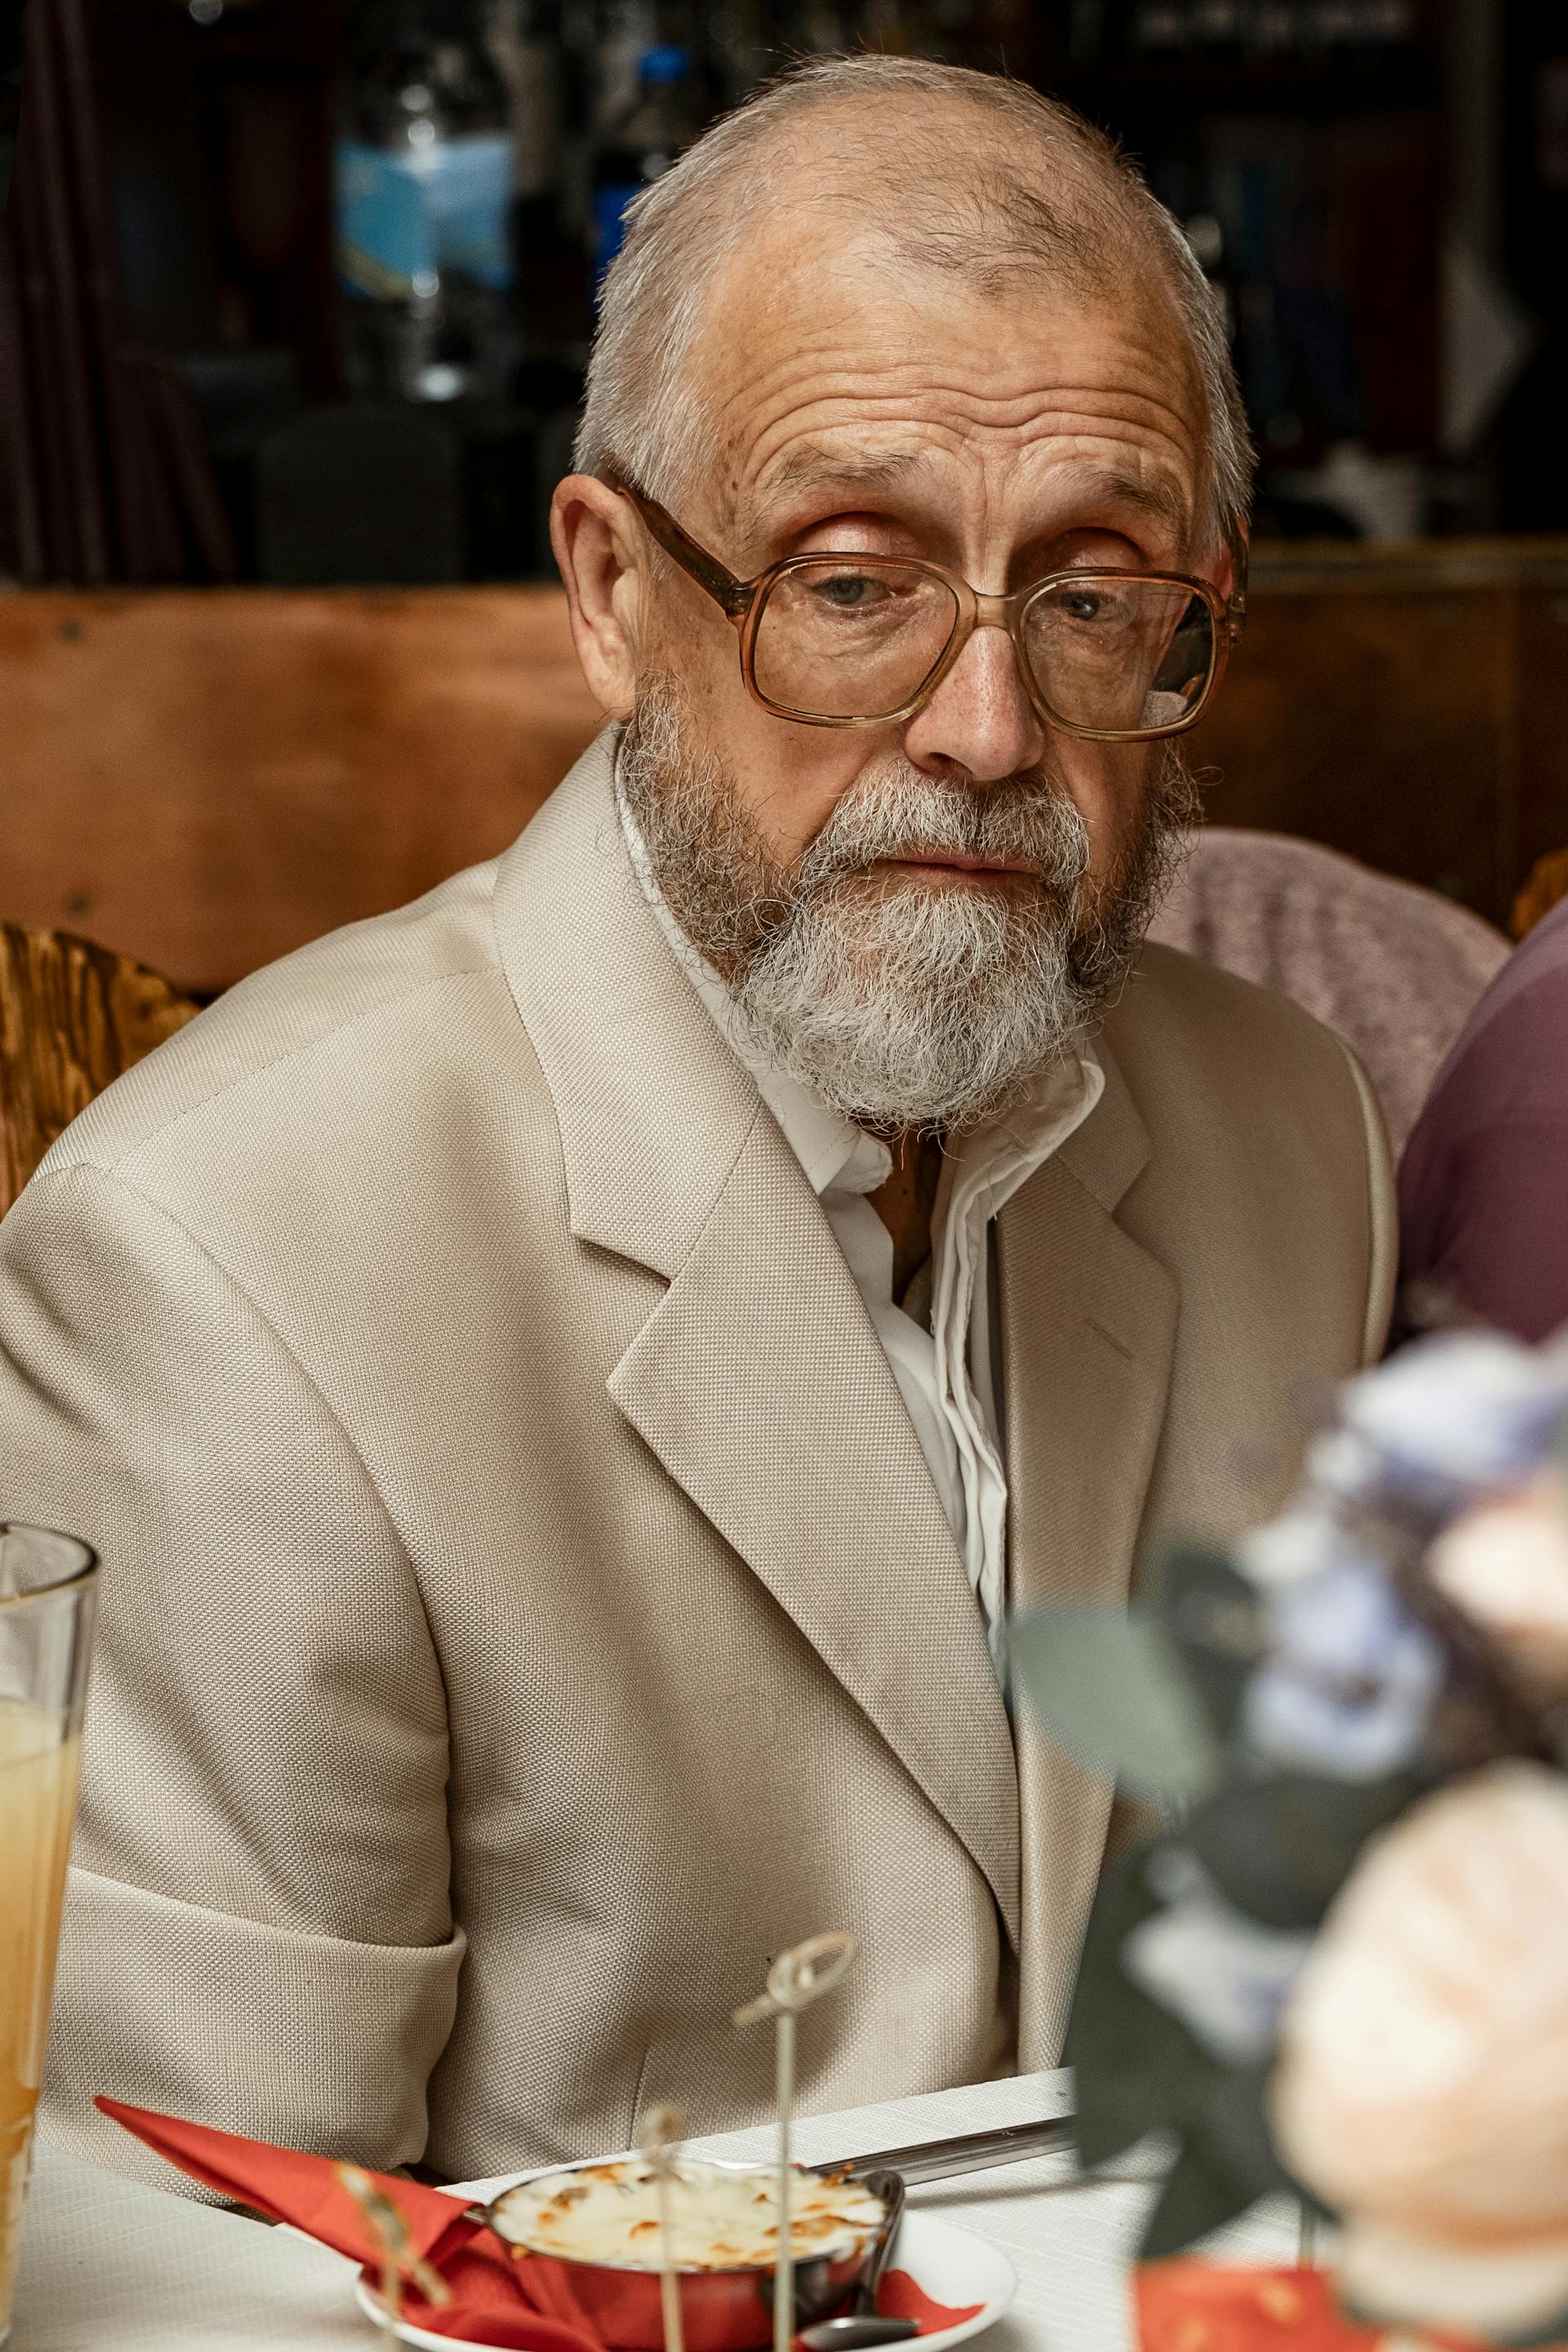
(980, 716)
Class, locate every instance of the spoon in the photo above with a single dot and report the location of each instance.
(853, 2329)
(863, 2327)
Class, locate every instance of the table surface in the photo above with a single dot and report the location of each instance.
(109, 2265)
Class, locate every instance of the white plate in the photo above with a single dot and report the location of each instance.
(953, 2265)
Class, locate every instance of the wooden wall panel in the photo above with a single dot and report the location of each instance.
(1405, 706)
(203, 781)
(1371, 723)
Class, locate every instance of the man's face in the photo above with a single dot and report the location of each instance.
(857, 405)
(915, 916)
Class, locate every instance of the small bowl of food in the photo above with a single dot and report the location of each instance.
(598, 2228)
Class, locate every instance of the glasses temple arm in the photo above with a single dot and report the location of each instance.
(731, 595)
(1236, 607)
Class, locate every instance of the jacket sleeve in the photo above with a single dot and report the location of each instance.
(259, 1933)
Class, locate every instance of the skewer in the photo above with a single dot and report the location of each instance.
(663, 2130)
(795, 1979)
(389, 2231)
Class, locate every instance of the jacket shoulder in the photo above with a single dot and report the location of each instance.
(1228, 1022)
(1231, 1078)
(271, 1028)
(1267, 1145)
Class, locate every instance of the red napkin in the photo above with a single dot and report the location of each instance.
(1186, 2306)
(497, 2298)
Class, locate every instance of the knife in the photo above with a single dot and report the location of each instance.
(943, 2159)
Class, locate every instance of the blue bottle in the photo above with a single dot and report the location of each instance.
(642, 143)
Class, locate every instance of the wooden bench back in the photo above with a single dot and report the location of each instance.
(211, 778)
(72, 1017)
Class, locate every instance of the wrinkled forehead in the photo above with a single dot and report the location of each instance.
(826, 355)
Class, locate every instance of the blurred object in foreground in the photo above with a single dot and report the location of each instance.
(103, 472)
(1392, 969)
(48, 1598)
(1334, 1967)
(1445, 2171)
(1547, 882)
(1184, 2306)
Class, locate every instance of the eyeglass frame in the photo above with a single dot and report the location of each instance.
(743, 603)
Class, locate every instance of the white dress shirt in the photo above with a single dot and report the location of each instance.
(944, 1368)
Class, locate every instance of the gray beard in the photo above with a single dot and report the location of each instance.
(901, 1007)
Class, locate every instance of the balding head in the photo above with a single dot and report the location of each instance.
(892, 346)
(932, 169)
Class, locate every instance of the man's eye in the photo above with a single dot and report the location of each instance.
(1085, 604)
(851, 591)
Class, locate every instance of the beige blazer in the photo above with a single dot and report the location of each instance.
(526, 1605)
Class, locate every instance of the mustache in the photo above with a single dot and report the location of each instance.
(1026, 820)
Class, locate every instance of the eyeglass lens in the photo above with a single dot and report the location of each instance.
(841, 642)
(1108, 651)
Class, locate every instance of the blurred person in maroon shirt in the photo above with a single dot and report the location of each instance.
(1483, 1185)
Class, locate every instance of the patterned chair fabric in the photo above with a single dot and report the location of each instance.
(1395, 970)
(72, 1017)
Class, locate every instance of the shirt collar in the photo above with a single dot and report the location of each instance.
(995, 1158)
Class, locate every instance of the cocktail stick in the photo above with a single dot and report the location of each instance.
(663, 2130)
(795, 1979)
(389, 2231)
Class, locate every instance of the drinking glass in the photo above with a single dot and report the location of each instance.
(48, 1594)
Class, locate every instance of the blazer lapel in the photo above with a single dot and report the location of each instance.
(757, 1378)
(762, 1387)
(1088, 1324)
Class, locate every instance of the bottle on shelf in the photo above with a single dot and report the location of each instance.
(426, 169)
(541, 73)
(523, 41)
(640, 143)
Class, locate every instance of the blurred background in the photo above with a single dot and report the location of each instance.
(295, 302)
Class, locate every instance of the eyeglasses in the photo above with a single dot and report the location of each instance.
(857, 640)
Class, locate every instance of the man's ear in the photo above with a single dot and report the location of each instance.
(597, 545)
(1226, 568)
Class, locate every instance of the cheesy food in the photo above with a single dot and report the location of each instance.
(720, 2219)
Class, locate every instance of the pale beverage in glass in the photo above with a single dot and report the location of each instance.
(47, 1593)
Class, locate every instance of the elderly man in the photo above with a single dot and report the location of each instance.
(567, 1379)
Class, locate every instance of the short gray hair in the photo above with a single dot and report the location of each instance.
(988, 218)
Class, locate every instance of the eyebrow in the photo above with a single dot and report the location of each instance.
(1161, 497)
(813, 467)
